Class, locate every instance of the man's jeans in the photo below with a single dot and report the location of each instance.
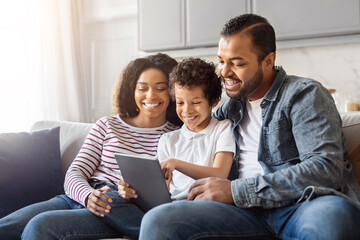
(326, 217)
(63, 218)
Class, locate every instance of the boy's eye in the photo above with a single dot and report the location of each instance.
(196, 102)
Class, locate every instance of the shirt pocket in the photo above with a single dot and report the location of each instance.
(280, 143)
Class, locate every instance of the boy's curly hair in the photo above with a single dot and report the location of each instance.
(197, 72)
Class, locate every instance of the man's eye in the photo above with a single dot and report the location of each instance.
(239, 64)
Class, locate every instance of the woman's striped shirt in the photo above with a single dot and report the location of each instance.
(96, 161)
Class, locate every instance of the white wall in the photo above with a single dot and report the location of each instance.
(111, 40)
(335, 66)
(110, 35)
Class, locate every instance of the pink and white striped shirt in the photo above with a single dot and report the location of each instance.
(96, 161)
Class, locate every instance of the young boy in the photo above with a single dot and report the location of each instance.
(204, 146)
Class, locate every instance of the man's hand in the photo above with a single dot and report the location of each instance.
(96, 205)
(213, 189)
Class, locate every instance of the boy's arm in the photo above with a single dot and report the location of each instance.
(220, 168)
(224, 153)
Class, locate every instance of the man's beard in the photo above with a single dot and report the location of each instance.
(248, 87)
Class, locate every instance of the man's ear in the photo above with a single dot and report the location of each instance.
(269, 60)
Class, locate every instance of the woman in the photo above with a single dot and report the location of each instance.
(141, 99)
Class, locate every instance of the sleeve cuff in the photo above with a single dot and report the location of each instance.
(243, 192)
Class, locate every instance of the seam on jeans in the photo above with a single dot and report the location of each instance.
(282, 236)
(86, 236)
(207, 235)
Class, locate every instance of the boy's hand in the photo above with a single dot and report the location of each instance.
(168, 167)
(168, 180)
(125, 191)
(97, 201)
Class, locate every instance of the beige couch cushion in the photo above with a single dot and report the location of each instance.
(354, 158)
(351, 129)
(72, 136)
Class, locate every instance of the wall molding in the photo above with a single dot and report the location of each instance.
(284, 44)
(110, 13)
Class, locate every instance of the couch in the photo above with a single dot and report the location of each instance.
(72, 135)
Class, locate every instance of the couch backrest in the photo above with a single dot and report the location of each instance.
(351, 129)
(72, 136)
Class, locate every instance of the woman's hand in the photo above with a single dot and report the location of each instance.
(125, 191)
(96, 205)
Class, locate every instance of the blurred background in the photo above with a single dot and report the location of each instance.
(59, 59)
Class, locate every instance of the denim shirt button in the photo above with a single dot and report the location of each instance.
(245, 204)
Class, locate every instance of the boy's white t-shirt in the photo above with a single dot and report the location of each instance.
(198, 148)
(249, 130)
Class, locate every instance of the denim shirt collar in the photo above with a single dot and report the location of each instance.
(273, 92)
(234, 108)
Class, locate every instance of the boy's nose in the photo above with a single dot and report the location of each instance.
(187, 108)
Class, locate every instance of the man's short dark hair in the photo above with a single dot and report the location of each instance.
(197, 72)
(259, 30)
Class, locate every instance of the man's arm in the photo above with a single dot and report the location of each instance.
(221, 113)
(316, 129)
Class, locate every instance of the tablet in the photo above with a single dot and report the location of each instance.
(145, 176)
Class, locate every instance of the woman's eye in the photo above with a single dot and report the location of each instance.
(142, 89)
(179, 103)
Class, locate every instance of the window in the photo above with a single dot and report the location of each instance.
(19, 87)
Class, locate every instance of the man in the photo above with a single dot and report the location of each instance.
(295, 181)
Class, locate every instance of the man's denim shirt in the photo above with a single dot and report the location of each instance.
(301, 147)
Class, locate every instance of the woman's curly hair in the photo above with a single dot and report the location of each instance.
(124, 92)
(197, 72)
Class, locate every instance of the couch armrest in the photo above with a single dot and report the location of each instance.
(351, 129)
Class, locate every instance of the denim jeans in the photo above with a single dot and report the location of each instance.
(327, 217)
(63, 218)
